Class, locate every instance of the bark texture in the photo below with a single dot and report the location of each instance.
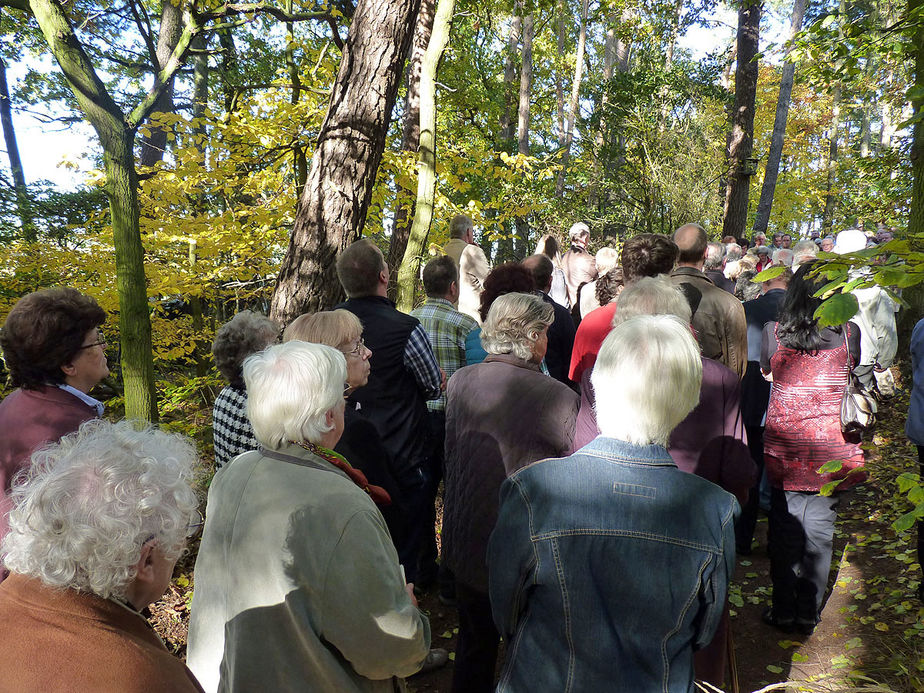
(916, 217)
(336, 198)
(526, 84)
(779, 125)
(573, 104)
(426, 158)
(171, 29)
(741, 135)
(23, 207)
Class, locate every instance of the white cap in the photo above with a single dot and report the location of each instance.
(579, 229)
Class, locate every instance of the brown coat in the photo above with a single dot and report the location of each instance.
(501, 415)
(718, 318)
(28, 420)
(579, 267)
(64, 640)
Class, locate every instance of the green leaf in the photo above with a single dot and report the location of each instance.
(798, 657)
(774, 669)
(769, 273)
(852, 643)
(836, 310)
(831, 467)
(829, 488)
(907, 481)
(905, 522)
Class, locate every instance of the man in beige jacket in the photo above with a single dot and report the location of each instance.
(472, 263)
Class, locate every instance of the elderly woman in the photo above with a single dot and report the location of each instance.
(245, 334)
(500, 416)
(609, 567)
(97, 526)
(56, 355)
(297, 581)
(507, 278)
(360, 445)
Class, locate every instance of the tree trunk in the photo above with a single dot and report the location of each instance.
(779, 125)
(171, 28)
(526, 83)
(116, 134)
(404, 205)
(916, 216)
(573, 105)
(559, 72)
(741, 136)
(669, 62)
(200, 104)
(827, 220)
(506, 134)
(350, 145)
(299, 161)
(426, 172)
(23, 206)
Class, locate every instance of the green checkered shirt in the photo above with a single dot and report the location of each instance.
(447, 329)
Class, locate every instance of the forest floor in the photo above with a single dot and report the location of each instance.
(871, 636)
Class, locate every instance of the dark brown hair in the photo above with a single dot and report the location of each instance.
(647, 255)
(45, 331)
(438, 276)
(511, 277)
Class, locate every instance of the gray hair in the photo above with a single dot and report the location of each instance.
(514, 323)
(715, 253)
(578, 229)
(290, 389)
(646, 379)
(782, 256)
(652, 296)
(245, 334)
(459, 226)
(87, 505)
(733, 252)
(804, 251)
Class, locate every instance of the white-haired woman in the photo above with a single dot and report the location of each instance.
(360, 444)
(609, 567)
(297, 580)
(97, 526)
(245, 334)
(501, 415)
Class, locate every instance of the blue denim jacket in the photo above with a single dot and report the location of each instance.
(607, 569)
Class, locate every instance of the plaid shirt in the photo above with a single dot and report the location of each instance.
(230, 426)
(447, 329)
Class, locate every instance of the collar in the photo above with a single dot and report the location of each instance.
(372, 299)
(685, 271)
(513, 361)
(439, 302)
(622, 451)
(84, 397)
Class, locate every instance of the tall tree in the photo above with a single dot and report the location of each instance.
(741, 135)
(916, 92)
(526, 84)
(827, 218)
(426, 158)
(410, 139)
(574, 103)
(336, 197)
(12, 150)
(779, 124)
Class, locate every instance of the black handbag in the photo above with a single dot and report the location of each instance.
(858, 406)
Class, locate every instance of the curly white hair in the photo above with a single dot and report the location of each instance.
(88, 503)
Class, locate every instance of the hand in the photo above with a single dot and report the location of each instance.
(409, 588)
(442, 380)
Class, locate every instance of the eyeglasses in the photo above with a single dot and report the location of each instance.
(192, 529)
(101, 341)
(358, 349)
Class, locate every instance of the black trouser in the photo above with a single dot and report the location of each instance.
(476, 651)
(744, 528)
(921, 525)
(427, 571)
(801, 544)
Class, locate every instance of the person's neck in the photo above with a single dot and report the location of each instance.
(692, 265)
(79, 384)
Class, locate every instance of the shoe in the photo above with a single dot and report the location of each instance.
(436, 658)
(784, 624)
(805, 626)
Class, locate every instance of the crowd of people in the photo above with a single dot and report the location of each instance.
(603, 428)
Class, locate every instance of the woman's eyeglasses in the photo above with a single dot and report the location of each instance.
(100, 341)
(358, 349)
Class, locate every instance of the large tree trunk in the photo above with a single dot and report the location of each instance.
(573, 105)
(559, 72)
(741, 136)
(350, 145)
(171, 28)
(426, 172)
(23, 206)
(827, 220)
(779, 125)
(116, 134)
(404, 211)
(507, 132)
(526, 83)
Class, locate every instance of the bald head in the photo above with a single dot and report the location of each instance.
(541, 268)
(691, 239)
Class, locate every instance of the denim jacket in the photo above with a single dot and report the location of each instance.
(607, 569)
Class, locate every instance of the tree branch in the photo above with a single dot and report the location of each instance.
(16, 5)
(145, 32)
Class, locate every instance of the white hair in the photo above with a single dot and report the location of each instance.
(803, 251)
(652, 296)
(646, 379)
(578, 229)
(87, 505)
(715, 253)
(606, 258)
(290, 389)
(782, 256)
(514, 323)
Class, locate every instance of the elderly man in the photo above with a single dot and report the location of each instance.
(404, 376)
(472, 264)
(297, 581)
(582, 541)
(561, 331)
(714, 267)
(717, 315)
(578, 264)
(96, 529)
